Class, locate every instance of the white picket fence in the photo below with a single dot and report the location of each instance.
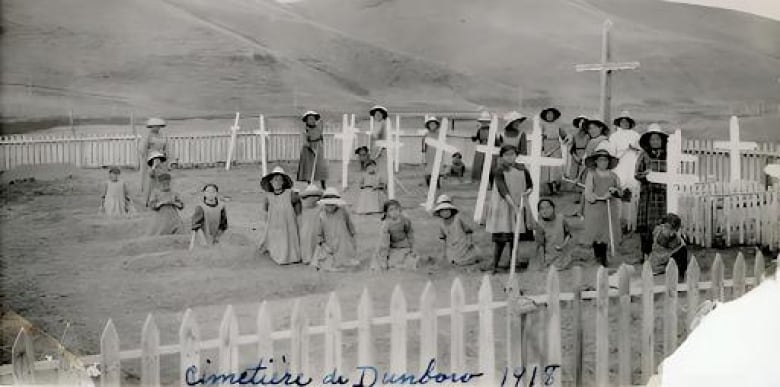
(511, 344)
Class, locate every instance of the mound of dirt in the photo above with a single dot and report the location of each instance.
(156, 254)
(42, 172)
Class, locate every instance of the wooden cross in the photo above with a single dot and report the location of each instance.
(441, 146)
(535, 160)
(605, 68)
(489, 150)
(734, 146)
(263, 138)
(347, 136)
(233, 133)
(672, 177)
(397, 140)
(389, 146)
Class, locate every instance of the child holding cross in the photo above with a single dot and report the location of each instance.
(509, 199)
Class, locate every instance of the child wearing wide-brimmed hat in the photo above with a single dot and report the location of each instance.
(513, 134)
(456, 236)
(378, 152)
(626, 142)
(396, 240)
(372, 186)
(312, 165)
(652, 196)
(166, 204)
(282, 206)
(156, 166)
(335, 233)
(481, 138)
(310, 213)
(115, 201)
(602, 189)
(553, 137)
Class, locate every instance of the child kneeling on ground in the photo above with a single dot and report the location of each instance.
(668, 244)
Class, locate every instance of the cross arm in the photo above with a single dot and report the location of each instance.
(443, 146)
(493, 150)
(607, 66)
(543, 161)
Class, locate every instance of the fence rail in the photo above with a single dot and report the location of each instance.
(526, 344)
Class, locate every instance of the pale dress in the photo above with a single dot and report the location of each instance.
(167, 220)
(459, 248)
(371, 197)
(336, 247)
(281, 231)
(623, 140)
(551, 147)
(115, 201)
(501, 215)
(309, 222)
(211, 219)
(395, 245)
(379, 153)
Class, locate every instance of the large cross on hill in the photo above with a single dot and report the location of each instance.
(606, 67)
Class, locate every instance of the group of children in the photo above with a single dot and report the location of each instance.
(314, 227)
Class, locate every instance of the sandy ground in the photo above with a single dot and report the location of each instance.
(63, 263)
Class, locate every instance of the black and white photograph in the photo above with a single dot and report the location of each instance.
(390, 192)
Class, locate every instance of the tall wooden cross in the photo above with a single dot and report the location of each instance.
(347, 136)
(232, 147)
(489, 149)
(672, 177)
(535, 160)
(441, 146)
(263, 138)
(734, 146)
(606, 67)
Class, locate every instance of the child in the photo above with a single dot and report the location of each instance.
(281, 206)
(210, 217)
(310, 214)
(553, 237)
(512, 186)
(668, 244)
(597, 134)
(371, 186)
(513, 135)
(432, 125)
(626, 142)
(116, 198)
(167, 204)
(378, 152)
(157, 167)
(602, 188)
(335, 234)
(652, 196)
(579, 141)
(458, 168)
(551, 146)
(363, 157)
(481, 138)
(396, 240)
(458, 247)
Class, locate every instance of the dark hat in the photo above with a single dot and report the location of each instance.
(624, 116)
(265, 182)
(600, 124)
(556, 114)
(357, 151)
(578, 122)
(209, 185)
(590, 161)
(310, 113)
(507, 148)
(457, 154)
(311, 190)
(644, 139)
(155, 155)
(371, 162)
(114, 170)
(377, 108)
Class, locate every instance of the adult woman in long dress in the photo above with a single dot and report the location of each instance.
(652, 196)
(313, 151)
(626, 142)
(153, 143)
(378, 153)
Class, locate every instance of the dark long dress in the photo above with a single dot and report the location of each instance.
(652, 196)
(312, 145)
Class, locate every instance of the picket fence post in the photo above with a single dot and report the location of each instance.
(365, 344)
(738, 277)
(150, 353)
(428, 325)
(758, 268)
(716, 277)
(23, 358)
(457, 327)
(692, 275)
(553, 324)
(265, 345)
(624, 320)
(109, 356)
(299, 351)
(670, 309)
(189, 340)
(577, 325)
(398, 339)
(487, 345)
(602, 327)
(648, 323)
(228, 342)
(333, 343)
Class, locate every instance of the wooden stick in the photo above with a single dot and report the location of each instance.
(609, 218)
(192, 240)
(516, 239)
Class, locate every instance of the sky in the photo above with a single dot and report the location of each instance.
(766, 8)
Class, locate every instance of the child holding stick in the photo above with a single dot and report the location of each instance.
(115, 201)
(396, 240)
(281, 206)
(166, 204)
(335, 233)
(509, 199)
(602, 198)
(210, 216)
(310, 215)
(458, 247)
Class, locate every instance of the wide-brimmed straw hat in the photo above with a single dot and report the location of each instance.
(556, 114)
(310, 113)
(644, 139)
(578, 122)
(154, 121)
(512, 117)
(432, 119)
(444, 206)
(443, 199)
(624, 116)
(365, 148)
(265, 182)
(311, 190)
(332, 196)
(600, 124)
(484, 116)
(590, 161)
(155, 155)
(379, 108)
